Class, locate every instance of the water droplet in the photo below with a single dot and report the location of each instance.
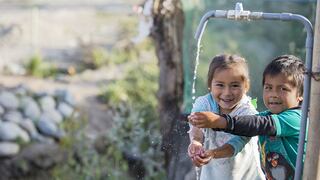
(198, 173)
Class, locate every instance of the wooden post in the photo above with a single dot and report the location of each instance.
(167, 33)
(312, 161)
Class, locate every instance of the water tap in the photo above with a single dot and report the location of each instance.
(238, 13)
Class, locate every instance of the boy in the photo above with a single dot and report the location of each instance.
(278, 127)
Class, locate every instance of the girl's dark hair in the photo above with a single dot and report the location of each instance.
(289, 65)
(226, 61)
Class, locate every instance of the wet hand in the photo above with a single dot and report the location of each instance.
(195, 148)
(204, 119)
(210, 153)
(201, 159)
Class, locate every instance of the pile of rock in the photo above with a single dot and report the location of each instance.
(26, 116)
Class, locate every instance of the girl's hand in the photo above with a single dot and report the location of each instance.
(201, 159)
(205, 120)
(204, 158)
(210, 153)
(195, 148)
(195, 151)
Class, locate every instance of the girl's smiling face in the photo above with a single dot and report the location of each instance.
(279, 94)
(227, 87)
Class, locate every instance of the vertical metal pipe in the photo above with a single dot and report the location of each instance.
(306, 99)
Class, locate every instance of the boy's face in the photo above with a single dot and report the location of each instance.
(227, 88)
(279, 94)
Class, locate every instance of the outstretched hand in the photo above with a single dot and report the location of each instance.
(206, 120)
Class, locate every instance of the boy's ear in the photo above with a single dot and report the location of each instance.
(300, 98)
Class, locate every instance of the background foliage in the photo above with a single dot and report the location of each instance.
(130, 149)
(136, 125)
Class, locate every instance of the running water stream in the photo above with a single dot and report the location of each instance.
(196, 70)
(198, 169)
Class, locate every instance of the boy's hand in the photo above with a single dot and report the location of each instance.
(207, 120)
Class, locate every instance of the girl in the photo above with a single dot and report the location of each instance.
(228, 83)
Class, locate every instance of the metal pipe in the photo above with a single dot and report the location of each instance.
(239, 14)
(203, 24)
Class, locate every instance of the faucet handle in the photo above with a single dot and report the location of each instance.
(238, 13)
(238, 7)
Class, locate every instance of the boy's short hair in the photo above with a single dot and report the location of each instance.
(290, 66)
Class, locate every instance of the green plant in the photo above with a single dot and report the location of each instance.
(99, 57)
(34, 65)
(136, 126)
(87, 163)
(83, 161)
(138, 86)
(94, 57)
(38, 68)
(137, 133)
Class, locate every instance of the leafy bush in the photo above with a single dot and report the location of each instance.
(137, 87)
(36, 67)
(85, 162)
(135, 134)
(99, 57)
(136, 126)
(94, 57)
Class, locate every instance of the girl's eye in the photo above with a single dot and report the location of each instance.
(284, 89)
(235, 85)
(219, 85)
(267, 88)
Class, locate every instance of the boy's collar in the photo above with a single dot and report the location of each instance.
(297, 107)
(293, 108)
